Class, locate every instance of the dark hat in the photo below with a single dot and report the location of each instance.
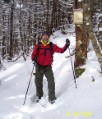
(47, 33)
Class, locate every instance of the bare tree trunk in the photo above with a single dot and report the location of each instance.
(11, 33)
(89, 28)
(81, 46)
(54, 14)
(1, 33)
(93, 37)
(81, 41)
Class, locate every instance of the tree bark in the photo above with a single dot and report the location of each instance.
(11, 34)
(92, 36)
(81, 41)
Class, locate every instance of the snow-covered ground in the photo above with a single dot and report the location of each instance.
(84, 102)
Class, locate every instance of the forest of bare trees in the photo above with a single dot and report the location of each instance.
(22, 23)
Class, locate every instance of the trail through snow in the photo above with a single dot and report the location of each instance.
(81, 103)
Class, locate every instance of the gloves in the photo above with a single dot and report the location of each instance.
(67, 42)
(34, 62)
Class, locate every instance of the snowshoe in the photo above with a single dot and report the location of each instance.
(38, 99)
(52, 101)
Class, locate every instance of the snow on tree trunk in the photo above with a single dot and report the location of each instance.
(11, 33)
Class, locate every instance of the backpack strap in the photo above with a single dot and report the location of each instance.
(51, 48)
(38, 47)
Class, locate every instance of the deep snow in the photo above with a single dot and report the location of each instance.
(85, 102)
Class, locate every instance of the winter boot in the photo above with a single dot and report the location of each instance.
(38, 99)
(52, 101)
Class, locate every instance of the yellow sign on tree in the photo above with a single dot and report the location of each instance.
(78, 16)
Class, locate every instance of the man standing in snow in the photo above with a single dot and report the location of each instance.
(43, 56)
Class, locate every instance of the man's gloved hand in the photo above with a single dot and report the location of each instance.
(33, 62)
(67, 42)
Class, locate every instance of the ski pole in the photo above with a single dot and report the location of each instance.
(73, 70)
(28, 86)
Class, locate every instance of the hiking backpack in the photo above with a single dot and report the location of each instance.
(51, 48)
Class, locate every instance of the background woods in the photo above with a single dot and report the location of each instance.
(23, 21)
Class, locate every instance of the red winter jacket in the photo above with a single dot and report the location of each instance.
(43, 56)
